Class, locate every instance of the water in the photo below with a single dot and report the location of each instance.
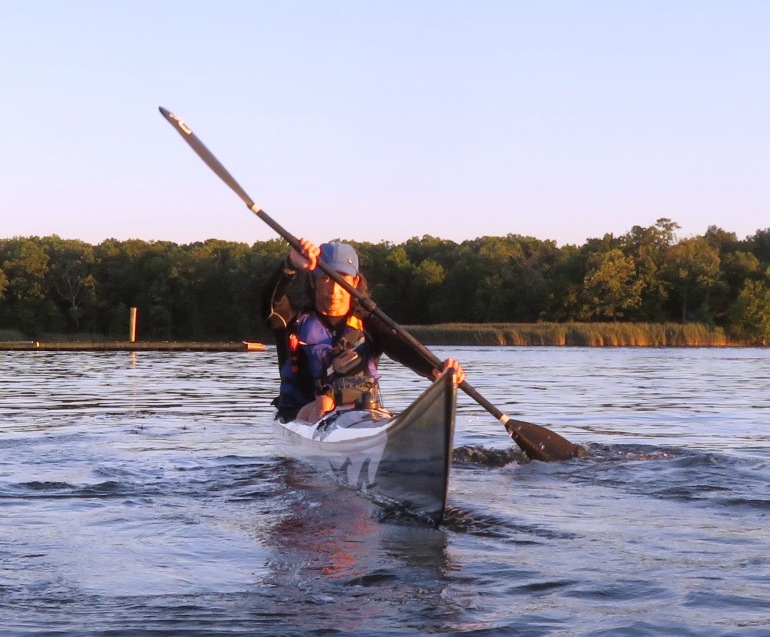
(141, 494)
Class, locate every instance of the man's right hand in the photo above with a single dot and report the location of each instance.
(308, 258)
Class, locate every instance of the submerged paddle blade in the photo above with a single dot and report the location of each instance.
(537, 442)
(540, 443)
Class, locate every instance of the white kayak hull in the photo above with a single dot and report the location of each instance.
(398, 461)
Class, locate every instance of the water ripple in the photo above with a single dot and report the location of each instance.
(143, 495)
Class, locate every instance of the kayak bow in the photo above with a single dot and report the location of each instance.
(399, 462)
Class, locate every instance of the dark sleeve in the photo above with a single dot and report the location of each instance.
(276, 307)
(389, 341)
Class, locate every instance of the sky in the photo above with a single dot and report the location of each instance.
(382, 121)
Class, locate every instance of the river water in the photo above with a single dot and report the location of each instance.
(142, 494)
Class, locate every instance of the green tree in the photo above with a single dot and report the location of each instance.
(750, 314)
(735, 269)
(526, 264)
(429, 276)
(649, 247)
(25, 263)
(141, 274)
(25, 305)
(456, 300)
(759, 245)
(70, 273)
(565, 284)
(692, 271)
(3, 284)
(724, 241)
(441, 251)
(215, 279)
(476, 288)
(611, 286)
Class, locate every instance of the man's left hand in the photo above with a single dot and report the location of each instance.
(451, 363)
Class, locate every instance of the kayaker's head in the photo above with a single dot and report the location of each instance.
(330, 298)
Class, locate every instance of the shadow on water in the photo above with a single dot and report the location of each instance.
(485, 525)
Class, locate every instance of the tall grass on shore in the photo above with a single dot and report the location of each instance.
(569, 334)
(572, 334)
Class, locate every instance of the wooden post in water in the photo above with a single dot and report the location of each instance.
(132, 326)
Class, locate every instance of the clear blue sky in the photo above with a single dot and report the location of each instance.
(384, 120)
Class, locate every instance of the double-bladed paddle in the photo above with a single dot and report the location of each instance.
(537, 442)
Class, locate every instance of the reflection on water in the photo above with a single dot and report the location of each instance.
(141, 493)
(331, 539)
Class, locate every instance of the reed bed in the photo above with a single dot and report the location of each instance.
(520, 334)
(572, 334)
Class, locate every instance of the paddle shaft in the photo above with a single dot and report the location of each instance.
(537, 442)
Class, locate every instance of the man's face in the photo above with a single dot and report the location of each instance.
(330, 298)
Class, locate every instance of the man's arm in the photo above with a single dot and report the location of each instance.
(392, 343)
(277, 308)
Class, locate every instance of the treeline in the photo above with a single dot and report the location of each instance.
(210, 290)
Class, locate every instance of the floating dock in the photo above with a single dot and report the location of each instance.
(129, 346)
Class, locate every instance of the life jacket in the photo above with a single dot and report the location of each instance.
(320, 356)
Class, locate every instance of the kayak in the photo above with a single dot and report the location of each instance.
(398, 461)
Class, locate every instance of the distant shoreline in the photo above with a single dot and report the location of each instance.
(449, 334)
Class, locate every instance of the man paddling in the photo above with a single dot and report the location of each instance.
(328, 346)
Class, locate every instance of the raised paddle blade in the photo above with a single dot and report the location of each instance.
(212, 162)
(537, 442)
(205, 154)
